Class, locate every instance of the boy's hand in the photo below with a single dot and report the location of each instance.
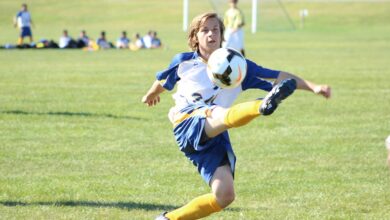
(151, 99)
(323, 90)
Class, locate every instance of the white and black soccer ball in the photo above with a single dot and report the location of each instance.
(226, 68)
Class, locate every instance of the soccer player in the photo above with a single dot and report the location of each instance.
(203, 113)
(234, 23)
(23, 21)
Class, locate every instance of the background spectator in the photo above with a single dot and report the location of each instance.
(234, 33)
(102, 41)
(83, 39)
(137, 42)
(23, 21)
(123, 41)
(156, 42)
(66, 41)
(147, 39)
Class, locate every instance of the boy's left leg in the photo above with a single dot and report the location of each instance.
(222, 185)
(197, 208)
(202, 206)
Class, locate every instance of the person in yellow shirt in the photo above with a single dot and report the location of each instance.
(234, 22)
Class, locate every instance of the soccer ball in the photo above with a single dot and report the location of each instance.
(226, 68)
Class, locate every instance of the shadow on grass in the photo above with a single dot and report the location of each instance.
(79, 114)
(120, 205)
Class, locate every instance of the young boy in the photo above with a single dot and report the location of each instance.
(203, 113)
(23, 21)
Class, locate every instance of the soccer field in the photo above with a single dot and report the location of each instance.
(77, 143)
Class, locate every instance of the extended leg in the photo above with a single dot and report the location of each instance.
(241, 114)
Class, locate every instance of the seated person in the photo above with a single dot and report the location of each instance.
(83, 39)
(137, 43)
(66, 41)
(147, 39)
(92, 46)
(123, 41)
(102, 41)
(156, 42)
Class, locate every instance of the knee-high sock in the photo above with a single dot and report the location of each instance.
(241, 114)
(199, 207)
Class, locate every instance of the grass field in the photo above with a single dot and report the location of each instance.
(77, 143)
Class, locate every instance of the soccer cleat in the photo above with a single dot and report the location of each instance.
(162, 216)
(280, 92)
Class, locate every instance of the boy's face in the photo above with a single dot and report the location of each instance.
(209, 35)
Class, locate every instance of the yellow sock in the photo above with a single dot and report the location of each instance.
(20, 41)
(199, 207)
(241, 114)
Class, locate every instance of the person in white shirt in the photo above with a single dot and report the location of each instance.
(147, 39)
(66, 41)
(23, 21)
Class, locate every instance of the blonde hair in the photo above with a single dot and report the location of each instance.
(195, 26)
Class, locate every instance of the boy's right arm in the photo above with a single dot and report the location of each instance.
(152, 97)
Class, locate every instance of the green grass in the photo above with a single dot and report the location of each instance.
(77, 143)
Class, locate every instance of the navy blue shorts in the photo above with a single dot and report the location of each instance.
(26, 32)
(207, 154)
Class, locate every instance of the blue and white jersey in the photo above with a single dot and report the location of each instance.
(23, 19)
(189, 72)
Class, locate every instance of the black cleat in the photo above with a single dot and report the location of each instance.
(162, 216)
(280, 92)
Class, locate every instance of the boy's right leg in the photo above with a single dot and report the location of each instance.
(280, 92)
(241, 114)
